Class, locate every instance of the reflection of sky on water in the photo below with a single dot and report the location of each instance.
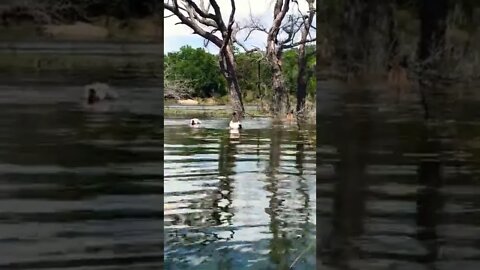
(220, 192)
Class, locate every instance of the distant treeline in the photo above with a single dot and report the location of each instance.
(67, 11)
(193, 72)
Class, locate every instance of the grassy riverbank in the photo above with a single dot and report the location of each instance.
(208, 111)
(205, 111)
(219, 107)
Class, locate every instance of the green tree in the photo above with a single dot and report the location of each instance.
(290, 70)
(198, 67)
(254, 74)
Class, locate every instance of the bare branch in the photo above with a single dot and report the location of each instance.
(228, 38)
(191, 21)
(205, 8)
(254, 25)
(168, 16)
(202, 20)
(255, 49)
(218, 18)
(206, 42)
(292, 28)
(298, 43)
(253, 30)
(242, 45)
(280, 11)
(206, 24)
(202, 12)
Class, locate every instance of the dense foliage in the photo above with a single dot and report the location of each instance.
(254, 74)
(290, 70)
(198, 68)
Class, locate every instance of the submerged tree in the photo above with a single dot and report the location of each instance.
(274, 55)
(431, 48)
(288, 26)
(366, 40)
(433, 27)
(276, 46)
(206, 24)
(303, 75)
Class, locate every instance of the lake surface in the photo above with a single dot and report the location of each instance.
(239, 201)
(395, 191)
(80, 186)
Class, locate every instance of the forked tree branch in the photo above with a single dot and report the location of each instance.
(295, 26)
(231, 20)
(202, 21)
(298, 43)
(280, 10)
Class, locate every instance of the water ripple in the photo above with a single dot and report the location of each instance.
(245, 197)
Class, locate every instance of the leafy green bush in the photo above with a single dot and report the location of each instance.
(199, 68)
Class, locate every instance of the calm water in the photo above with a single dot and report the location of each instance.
(80, 186)
(395, 191)
(244, 202)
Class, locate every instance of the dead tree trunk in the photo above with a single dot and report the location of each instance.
(381, 41)
(280, 103)
(228, 67)
(302, 81)
(352, 37)
(392, 42)
(367, 37)
(433, 26)
(303, 76)
(205, 23)
(433, 18)
(275, 47)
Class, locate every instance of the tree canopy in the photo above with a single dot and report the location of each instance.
(199, 68)
(290, 70)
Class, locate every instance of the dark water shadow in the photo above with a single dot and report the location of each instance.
(396, 191)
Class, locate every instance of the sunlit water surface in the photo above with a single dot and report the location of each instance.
(239, 201)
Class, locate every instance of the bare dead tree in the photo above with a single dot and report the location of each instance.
(366, 42)
(203, 22)
(280, 103)
(290, 26)
(433, 18)
(303, 76)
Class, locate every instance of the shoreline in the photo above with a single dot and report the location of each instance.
(207, 111)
